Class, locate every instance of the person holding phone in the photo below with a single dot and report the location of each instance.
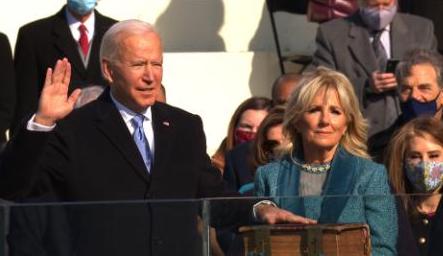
(420, 92)
(361, 45)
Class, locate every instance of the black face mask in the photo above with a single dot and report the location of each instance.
(413, 108)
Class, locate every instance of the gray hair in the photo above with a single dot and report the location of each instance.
(109, 48)
(89, 94)
(419, 57)
(364, 2)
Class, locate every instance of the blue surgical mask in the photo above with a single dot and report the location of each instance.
(377, 19)
(413, 108)
(81, 7)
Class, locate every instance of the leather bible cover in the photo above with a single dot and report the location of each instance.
(306, 240)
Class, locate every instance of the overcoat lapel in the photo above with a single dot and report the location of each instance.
(111, 124)
(94, 58)
(163, 136)
(339, 186)
(360, 46)
(66, 44)
(399, 38)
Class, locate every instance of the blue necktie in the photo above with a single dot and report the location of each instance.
(141, 141)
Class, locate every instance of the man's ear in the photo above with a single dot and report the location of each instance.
(107, 70)
(440, 97)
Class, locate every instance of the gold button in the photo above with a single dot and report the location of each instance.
(422, 240)
(425, 221)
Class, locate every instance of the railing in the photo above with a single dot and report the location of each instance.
(183, 227)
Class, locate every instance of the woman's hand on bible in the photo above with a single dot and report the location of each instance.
(272, 215)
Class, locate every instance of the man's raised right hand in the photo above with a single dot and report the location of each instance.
(54, 103)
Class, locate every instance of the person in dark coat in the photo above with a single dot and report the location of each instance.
(7, 88)
(101, 153)
(41, 43)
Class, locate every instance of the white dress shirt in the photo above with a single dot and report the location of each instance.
(127, 116)
(385, 39)
(73, 24)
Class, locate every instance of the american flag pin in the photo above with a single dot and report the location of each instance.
(166, 123)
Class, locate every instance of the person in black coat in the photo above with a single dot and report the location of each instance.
(7, 88)
(90, 155)
(41, 43)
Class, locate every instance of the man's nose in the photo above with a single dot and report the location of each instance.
(415, 94)
(148, 74)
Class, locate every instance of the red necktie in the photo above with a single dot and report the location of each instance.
(83, 41)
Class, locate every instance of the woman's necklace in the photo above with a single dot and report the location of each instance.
(312, 168)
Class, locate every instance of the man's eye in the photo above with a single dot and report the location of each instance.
(405, 89)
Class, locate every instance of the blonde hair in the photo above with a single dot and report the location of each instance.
(355, 136)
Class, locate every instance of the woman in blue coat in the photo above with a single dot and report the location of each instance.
(325, 175)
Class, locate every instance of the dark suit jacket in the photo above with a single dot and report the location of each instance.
(436, 233)
(91, 156)
(39, 229)
(7, 88)
(40, 44)
(238, 168)
(343, 45)
(430, 9)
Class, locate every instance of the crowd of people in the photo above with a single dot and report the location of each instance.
(335, 144)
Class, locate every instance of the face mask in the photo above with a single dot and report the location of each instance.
(377, 19)
(413, 108)
(425, 176)
(241, 136)
(81, 7)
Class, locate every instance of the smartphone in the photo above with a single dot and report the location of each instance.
(391, 65)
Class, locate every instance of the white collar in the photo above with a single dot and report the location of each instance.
(128, 114)
(73, 24)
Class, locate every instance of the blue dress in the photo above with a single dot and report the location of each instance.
(355, 191)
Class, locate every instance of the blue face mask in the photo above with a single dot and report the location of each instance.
(413, 108)
(81, 7)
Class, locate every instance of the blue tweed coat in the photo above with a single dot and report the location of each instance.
(355, 191)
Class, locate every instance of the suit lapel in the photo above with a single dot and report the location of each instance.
(360, 46)
(111, 124)
(163, 136)
(66, 44)
(339, 186)
(94, 58)
(399, 37)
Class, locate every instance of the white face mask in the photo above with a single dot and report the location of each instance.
(425, 176)
(81, 7)
(377, 19)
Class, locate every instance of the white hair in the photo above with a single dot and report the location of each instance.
(109, 47)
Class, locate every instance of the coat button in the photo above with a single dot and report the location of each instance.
(425, 221)
(422, 240)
